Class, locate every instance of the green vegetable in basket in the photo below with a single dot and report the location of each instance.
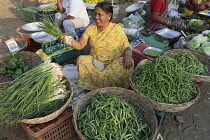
(18, 71)
(162, 80)
(110, 117)
(196, 41)
(37, 91)
(3, 71)
(49, 8)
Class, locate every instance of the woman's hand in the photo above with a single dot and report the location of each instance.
(127, 61)
(175, 23)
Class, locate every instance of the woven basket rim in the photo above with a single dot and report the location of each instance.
(107, 90)
(23, 34)
(22, 41)
(54, 114)
(164, 106)
(197, 78)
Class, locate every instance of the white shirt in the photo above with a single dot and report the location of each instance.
(77, 9)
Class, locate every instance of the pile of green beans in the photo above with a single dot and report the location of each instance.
(190, 63)
(109, 117)
(162, 80)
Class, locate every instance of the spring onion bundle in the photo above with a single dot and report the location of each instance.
(108, 117)
(48, 25)
(33, 92)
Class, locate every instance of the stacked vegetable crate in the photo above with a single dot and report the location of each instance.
(28, 14)
(59, 53)
(59, 128)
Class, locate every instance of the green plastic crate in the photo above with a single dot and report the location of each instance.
(53, 46)
(28, 14)
(153, 40)
(91, 13)
(66, 54)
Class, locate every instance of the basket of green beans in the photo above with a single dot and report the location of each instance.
(114, 113)
(164, 85)
(195, 63)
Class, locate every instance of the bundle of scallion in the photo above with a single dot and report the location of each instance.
(39, 90)
(47, 24)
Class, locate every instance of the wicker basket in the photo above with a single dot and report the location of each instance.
(164, 107)
(203, 58)
(24, 33)
(147, 113)
(31, 60)
(21, 42)
(54, 114)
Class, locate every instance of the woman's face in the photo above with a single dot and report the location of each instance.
(102, 18)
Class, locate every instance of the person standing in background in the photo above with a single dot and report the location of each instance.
(72, 14)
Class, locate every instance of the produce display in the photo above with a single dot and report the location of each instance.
(15, 67)
(197, 25)
(162, 80)
(93, 1)
(36, 93)
(190, 63)
(109, 117)
(49, 8)
(201, 42)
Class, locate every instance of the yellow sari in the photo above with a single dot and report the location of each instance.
(108, 47)
(189, 12)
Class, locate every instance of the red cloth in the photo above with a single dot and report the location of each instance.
(157, 6)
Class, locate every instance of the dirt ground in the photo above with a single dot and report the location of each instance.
(193, 123)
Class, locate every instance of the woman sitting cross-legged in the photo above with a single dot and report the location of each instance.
(110, 61)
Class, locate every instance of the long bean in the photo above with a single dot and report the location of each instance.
(165, 81)
(109, 117)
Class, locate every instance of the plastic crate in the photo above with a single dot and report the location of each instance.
(61, 128)
(28, 14)
(138, 55)
(65, 55)
(80, 31)
(39, 16)
(53, 46)
(154, 40)
(91, 13)
(32, 46)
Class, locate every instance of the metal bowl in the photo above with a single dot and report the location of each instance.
(39, 8)
(136, 7)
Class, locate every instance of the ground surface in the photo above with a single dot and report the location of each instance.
(196, 118)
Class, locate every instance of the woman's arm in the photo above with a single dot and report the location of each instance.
(198, 7)
(76, 44)
(164, 20)
(60, 6)
(127, 58)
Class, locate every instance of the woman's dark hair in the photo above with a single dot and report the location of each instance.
(107, 7)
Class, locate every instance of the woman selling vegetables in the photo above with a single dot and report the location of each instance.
(157, 17)
(110, 61)
(195, 6)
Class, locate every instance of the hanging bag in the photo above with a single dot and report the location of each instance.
(173, 9)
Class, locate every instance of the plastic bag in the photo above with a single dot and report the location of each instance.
(133, 21)
(173, 9)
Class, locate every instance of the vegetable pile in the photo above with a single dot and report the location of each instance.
(49, 8)
(35, 93)
(162, 80)
(109, 117)
(152, 52)
(190, 63)
(15, 67)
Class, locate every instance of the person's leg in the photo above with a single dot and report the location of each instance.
(69, 28)
(58, 18)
